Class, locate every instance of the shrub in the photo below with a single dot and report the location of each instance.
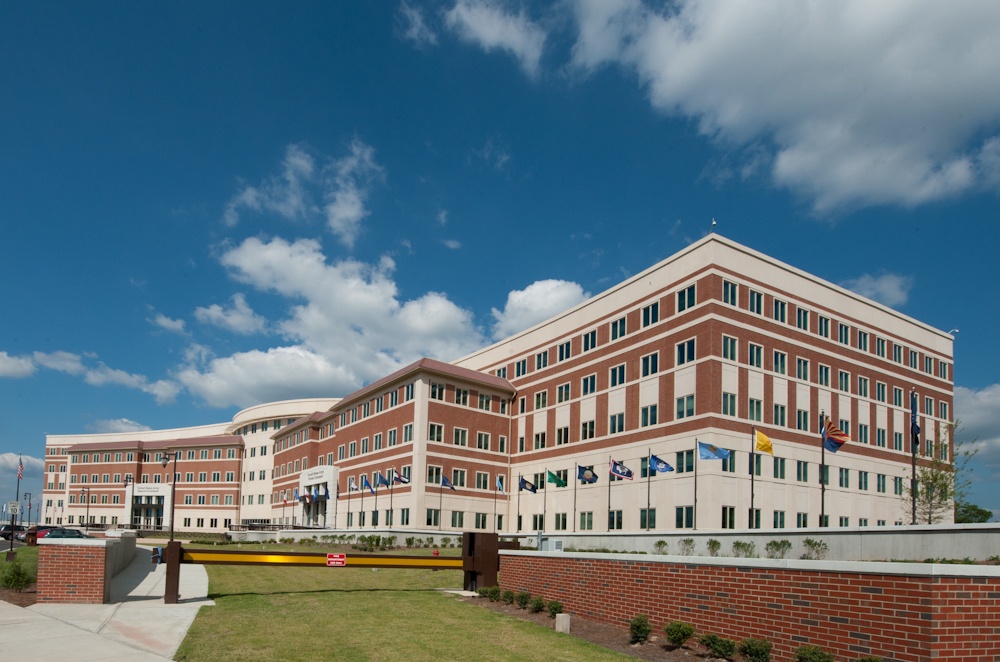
(410, 541)
(755, 650)
(743, 549)
(555, 607)
(639, 629)
(871, 658)
(687, 546)
(660, 546)
(713, 547)
(537, 604)
(815, 549)
(776, 549)
(718, 646)
(482, 591)
(15, 576)
(522, 599)
(507, 596)
(678, 632)
(813, 654)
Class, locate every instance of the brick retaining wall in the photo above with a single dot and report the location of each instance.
(74, 572)
(903, 612)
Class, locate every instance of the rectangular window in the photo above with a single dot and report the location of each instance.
(560, 522)
(390, 438)
(756, 302)
(651, 314)
(880, 391)
(779, 519)
(729, 404)
(942, 370)
(844, 478)
(616, 423)
(943, 411)
(685, 461)
(844, 333)
(685, 352)
(433, 517)
(780, 363)
(897, 486)
(780, 417)
(589, 384)
(562, 436)
(587, 521)
(647, 518)
(880, 437)
(393, 398)
(458, 477)
(823, 375)
(863, 387)
(562, 393)
(408, 433)
(802, 369)
(502, 372)
(802, 471)
(897, 353)
(802, 318)
(780, 311)
(863, 433)
(650, 364)
(729, 462)
(863, 480)
(461, 437)
(779, 468)
(542, 360)
(589, 340)
(587, 430)
(880, 483)
(435, 432)
(897, 397)
(684, 517)
(824, 326)
(685, 300)
(844, 381)
(541, 400)
(433, 475)
(914, 358)
(897, 441)
(483, 441)
(647, 416)
(755, 356)
(565, 350)
(754, 414)
(685, 406)
(728, 517)
(521, 368)
(729, 351)
(802, 420)
(863, 341)
(614, 520)
(617, 375)
(437, 391)
(802, 520)
(730, 293)
(539, 440)
(618, 329)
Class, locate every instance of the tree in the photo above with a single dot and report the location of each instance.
(943, 483)
(970, 513)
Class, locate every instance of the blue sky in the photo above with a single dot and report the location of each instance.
(204, 206)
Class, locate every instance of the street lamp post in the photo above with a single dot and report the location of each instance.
(173, 489)
(86, 520)
(27, 495)
(171, 592)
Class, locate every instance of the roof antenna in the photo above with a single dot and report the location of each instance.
(712, 229)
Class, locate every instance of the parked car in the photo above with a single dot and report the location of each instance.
(64, 533)
(5, 531)
(38, 530)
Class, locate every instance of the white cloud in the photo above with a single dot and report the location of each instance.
(489, 25)
(892, 290)
(978, 414)
(238, 318)
(494, 153)
(117, 425)
(410, 26)
(442, 217)
(163, 390)
(286, 195)
(346, 183)
(71, 364)
(168, 324)
(864, 103)
(15, 366)
(535, 303)
(453, 244)
(350, 328)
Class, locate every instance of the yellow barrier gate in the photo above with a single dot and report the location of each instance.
(480, 561)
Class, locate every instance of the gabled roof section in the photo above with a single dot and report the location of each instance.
(159, 444)
(313, 420)
(433, 367)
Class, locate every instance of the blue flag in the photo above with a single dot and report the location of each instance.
(447, 483)
(500, 484)
(365, 483)
(296, 494)
(586, 474)
(381, 480)
(656, 464)
(711, 452)
(620, 470)
(527, 485)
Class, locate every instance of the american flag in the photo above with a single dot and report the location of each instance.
(20, 468)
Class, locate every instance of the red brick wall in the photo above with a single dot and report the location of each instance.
(907, 618)
(73, 574)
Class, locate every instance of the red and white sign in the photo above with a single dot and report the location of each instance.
(336, 560)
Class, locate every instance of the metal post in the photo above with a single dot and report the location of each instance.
(27, 495)
(173, 493)
(86, 520)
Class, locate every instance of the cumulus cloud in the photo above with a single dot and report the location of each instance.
(892, 290)
(15, 367)
(60, 361)
(489, 25)
(117, 425)
(346, 191)
(410, 26)
(164, 391)
(860, 103)
(978, 414)
(350, 328)
(238, 317)
(168, 324)
(286, 194)
(535, 303)
(453, 244)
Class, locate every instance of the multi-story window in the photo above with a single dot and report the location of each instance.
(541, 360)
(685, 299)
(483, 441)
(589, 340)
(802, 471)
(755, 408)
(863, 480)
(562, 393)
(618, 329)
(729, 404)
(684, 517)
(616, 423)
(647, 416)
(587, 521)
(521, 368)
(617, 375)
(844, 478)
(780, 363)
(685, 351)
(647, 518)
(685, 461)
(844, 333)
(651, 314)
(844, 381)
(824, 326)
(588, 384)
(802, 369)
(755, 355)
(650, 364)
(541, 399)
(539, 440)
(728, 517)
(614, 520)
(779, 519)
(565, 350)
(685, 406)
(756, 304)
(780, 415)
(823, 375)
(779, 468)
(587, 430)
(780, 311)
(802, 420)
(863, 387)
(730, 293)
(729, 348)
(863, 433)
(435, 432)
(562, 436)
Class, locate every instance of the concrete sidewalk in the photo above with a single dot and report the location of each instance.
(135, 626)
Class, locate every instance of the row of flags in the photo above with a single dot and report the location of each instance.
(380, 481)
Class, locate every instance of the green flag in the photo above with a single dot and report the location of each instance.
(556, 480)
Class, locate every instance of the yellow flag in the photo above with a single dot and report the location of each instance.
(763, 442)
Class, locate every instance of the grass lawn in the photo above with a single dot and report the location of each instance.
(280, 613)
(26, 556)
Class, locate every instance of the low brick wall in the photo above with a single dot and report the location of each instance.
(904, 612)
(77, 571)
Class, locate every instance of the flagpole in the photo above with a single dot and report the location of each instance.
(610, 461)
(649, 474)
(753, 472)
(519, 477)
(576, 468)
(374, 522)
(348, 504)
(13, 517)
(545, 500)
(361, 515)
(696, 454)
(914, 443)
(495, 507)
(441, 502)
(822, 468)
(336, 501)
(391, 511)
